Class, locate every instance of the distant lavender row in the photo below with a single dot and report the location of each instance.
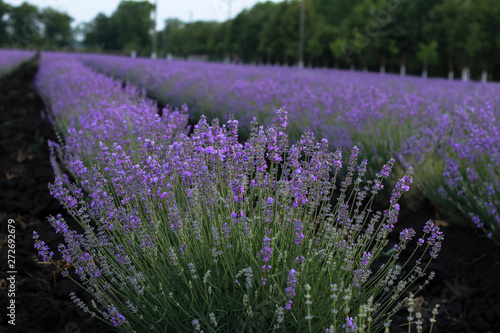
(9, 59)
(447, 130)
(335, 104)
(88, 108)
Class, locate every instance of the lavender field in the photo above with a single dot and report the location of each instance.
(256, 166)
(169, 209)
(448, 131)
(266, 199)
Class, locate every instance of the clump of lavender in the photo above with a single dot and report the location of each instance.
(460, 171)
(211, 234)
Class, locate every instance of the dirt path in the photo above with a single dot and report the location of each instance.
(467, 279)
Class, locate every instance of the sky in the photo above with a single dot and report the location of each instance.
(186, 10)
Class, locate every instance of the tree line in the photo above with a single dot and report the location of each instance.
(30, 27)
(447, 38)
(27, 26)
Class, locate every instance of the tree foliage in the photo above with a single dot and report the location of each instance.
(4, 11)
(57, 28)
(27, 26)
(127, 29)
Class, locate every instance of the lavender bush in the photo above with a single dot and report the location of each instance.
(206, 233)
(465, 148)
(384, 115)
(10, 59)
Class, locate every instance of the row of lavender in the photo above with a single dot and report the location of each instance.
(89, 109)
(200, 233)
(449, 131)
(10, 59)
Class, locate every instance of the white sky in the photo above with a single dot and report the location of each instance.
(86, 10)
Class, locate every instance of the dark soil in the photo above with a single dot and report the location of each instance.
(467, 283)
(467, 279)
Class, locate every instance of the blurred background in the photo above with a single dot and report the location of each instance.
(454, 39)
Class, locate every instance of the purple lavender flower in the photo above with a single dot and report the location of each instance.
(406, 235)
(350, 325)
(116, 318)
(266, 251)
(43, 249)
(291, 283)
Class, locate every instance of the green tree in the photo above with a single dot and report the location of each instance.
(331, 16)
(288, 29)
(196, 38)
(318, 35)
(414, 16)
(25, 26)
(127, 29)
(335, 12)
(358, 35)
(131, 24)
(57, 28)
(318, 43)
(4, 10)
(279, 36)
(270, 41)
(172, 34)
(245, 30)
(488, 14)
(455, 27)
(221, 39)
(99, 33)
(427, 53)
